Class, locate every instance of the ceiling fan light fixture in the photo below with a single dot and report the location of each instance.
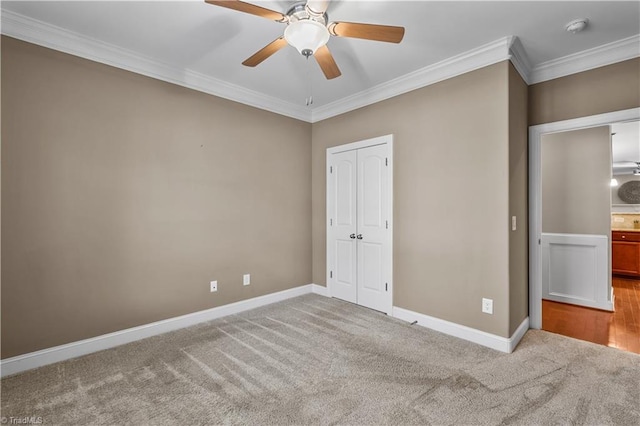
(306, 34)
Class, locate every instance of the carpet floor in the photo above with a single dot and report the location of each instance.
(314, 360)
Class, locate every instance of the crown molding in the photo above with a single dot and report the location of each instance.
(56, 38)
(480, 57)
(607, 54)
(507, 48)
(53, 37)
(520, 60)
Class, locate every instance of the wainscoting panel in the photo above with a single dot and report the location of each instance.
(575, 269)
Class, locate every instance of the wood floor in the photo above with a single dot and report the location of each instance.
(620, 329)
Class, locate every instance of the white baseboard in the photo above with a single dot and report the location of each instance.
(518, 334)
(55, 354)
(483, 338)
(319, 290)
(47, 356)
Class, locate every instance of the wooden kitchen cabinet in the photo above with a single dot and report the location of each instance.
(625, 253)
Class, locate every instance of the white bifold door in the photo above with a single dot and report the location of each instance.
(358, 235)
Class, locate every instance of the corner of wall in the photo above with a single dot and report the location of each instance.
(518, 200)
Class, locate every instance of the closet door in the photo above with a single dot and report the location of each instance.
(373, 242)
(342, 226)
(359, 228)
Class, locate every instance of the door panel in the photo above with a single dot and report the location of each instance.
(345, 262)
(342, 224)
(371, 176)
(345, 191)
(373, 236)
(371, 267)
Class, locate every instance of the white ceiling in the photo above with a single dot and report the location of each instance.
(213, 41)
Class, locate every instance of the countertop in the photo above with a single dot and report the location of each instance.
(625, 230)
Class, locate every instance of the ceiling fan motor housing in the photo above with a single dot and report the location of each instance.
(301, 10)
(306, 31)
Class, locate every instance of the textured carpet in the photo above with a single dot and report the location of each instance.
(313, 360)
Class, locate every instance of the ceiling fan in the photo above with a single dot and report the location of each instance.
(308, 30)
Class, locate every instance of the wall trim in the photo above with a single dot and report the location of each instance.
(507, 48)
(29, 361)
(480, 57)
(320, 290)
(55, 354)
(483, 338)
(518, 334)
(584, 252)
(607, 54)
(520, 60)
(43, 34)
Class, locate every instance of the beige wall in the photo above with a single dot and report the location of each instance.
(518, 201)
(451, 156)
(123, 196)
(605, 89)
(576, 176)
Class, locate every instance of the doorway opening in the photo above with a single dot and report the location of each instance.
(585, 270)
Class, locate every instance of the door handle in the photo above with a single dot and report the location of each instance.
(359, 236)
(352, 236)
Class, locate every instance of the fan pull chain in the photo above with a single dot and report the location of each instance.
(309, 100)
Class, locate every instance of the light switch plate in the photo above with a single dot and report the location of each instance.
(513, 223)
(213, 286)
(246, 279)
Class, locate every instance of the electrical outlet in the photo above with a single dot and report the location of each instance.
(487, 306)
(246, 279)
(213, 286)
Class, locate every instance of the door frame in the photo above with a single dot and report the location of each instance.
(535, 195)
(381, 140)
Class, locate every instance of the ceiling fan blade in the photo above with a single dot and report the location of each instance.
(367, 31)
(327, 63)
(249, 8)
(265, 52)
